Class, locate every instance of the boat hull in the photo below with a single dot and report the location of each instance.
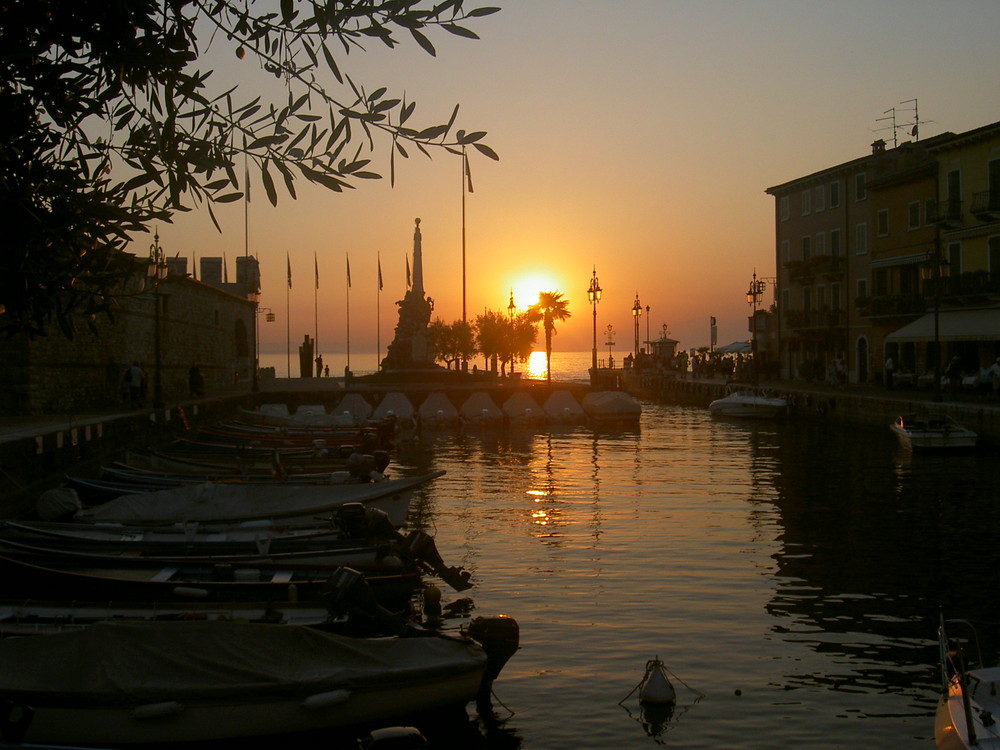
(226, 680)
(922, 434)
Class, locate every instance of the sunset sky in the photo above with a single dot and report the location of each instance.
(637, 137)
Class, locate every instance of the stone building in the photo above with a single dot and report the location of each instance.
(176, 321)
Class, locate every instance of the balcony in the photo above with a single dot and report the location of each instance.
(986, 205)
(947, 214)
(893, 306)
(814, 319)
(829, 266)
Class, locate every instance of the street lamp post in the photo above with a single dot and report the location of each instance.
(594, 296)
(156, 271)
(610, 343)
(647, 329)
(636, 314)
(754, 293)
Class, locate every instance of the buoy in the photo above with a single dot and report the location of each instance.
(656, 688)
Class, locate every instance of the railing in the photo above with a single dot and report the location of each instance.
(814, 318)
(826, 265)
(945, 212)
(986, 204)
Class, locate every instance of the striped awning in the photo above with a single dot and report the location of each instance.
(953, 325)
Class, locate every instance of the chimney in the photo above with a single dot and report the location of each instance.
(211, 270)
(177, 266)
(878, 147)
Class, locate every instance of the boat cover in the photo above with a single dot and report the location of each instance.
(561, 405)
(122, 663)
(353, 404)
(479, 406)
(437, 408)
(394, 402)
(522, 405)
(611, 405)
(227, 501)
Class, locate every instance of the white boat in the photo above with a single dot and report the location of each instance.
(748, 401)
(165, 682)
(969, 703)
(224, 502)
(934, 432)
(611, 407)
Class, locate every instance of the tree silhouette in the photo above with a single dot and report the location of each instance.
(551, 307)
(108, 126)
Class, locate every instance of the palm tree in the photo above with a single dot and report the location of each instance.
(550, 307)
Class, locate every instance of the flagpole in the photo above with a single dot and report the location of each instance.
(348, 300)
(378, 317)
(465, 172)
(316, 308)
(288, 322)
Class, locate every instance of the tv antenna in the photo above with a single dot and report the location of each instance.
(894, 126)
(917, 122)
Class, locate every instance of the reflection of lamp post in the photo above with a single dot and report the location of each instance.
(610, 343)
(932, 270)
(594, 296)
(156, 271)
(754, 294)
(636, 313)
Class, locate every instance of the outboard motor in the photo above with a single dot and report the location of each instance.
(500, 637)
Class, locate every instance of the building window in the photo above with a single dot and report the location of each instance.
(835, 242)
(861, 238)
(835, 296)
(913, 215)
(806, 254)
(834, 194)
(860, 187)
(819, 199)
(807, 298)
(805, 202)
(784, 207)
(954, 258)
(820, 248)
(820, 297)
(786, 252)
(882, 219)
(862, 287)
(994, 261)
(881, 282)
(785, 299)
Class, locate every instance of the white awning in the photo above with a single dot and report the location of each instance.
(953, 325)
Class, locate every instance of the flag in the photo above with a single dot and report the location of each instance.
(316, 263)
(380, 273)
(407, 271)
(348, 271)
(289, 260)
(468, 174)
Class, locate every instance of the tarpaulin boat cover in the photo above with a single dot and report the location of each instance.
(394, 402)
(561, 405)
(522, 404)
(480, 406)
(437, 407)
(611, 404)
(144, 662)
(234, 501)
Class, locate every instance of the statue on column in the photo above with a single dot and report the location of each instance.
(411, 348)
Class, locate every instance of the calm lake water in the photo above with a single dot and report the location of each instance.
(790, 575)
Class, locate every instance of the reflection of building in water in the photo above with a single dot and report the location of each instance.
(867, 553)
(410, 348)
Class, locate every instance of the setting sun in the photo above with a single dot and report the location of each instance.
(527, 287)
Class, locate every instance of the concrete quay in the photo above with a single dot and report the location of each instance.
(866, 406)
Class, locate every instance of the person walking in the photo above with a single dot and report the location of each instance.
(889, 368)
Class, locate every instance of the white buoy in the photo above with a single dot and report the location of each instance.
(656, 688)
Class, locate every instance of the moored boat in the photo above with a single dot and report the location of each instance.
(969, 702)
(748, 401)
(932, 432)
(221, 680)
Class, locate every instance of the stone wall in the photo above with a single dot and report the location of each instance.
(199, 325)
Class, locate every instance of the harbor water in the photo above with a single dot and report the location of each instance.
(789, 574)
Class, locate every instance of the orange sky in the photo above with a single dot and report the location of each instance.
(635, 137)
